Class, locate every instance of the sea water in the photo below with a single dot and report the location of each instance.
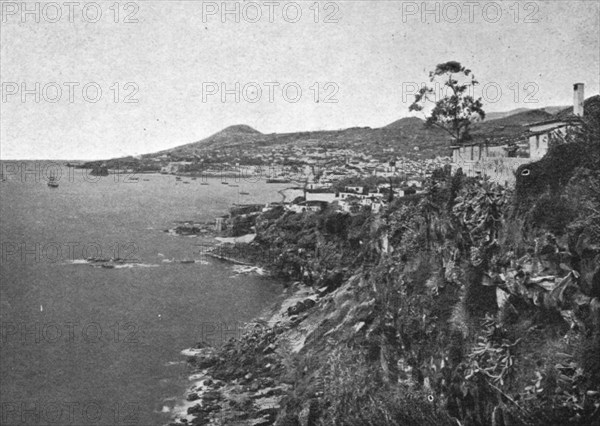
(85, 344)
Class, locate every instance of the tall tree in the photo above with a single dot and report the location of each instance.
(456, 109)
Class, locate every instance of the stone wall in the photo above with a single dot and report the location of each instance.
(500, 170)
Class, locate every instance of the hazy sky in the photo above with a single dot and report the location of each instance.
(180, 55)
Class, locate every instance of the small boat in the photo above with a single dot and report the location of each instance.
(204, 183)
(187, 261)
(225, 183)
(177, 178)
(146, 180)
(194, 178)
(234, 186)
(244, 193)
(186, 182)
(52, 182)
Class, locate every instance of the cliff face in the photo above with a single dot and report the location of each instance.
(461, 306)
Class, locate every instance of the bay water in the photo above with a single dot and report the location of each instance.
(101, 346)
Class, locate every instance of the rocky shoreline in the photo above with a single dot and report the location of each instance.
(243, 382)
(239, 383)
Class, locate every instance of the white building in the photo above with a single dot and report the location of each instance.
(540, 133)
(327, 197)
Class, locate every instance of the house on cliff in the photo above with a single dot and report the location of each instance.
(499, 159)
(541, 133)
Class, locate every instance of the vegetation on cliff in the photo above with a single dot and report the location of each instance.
(470, 305)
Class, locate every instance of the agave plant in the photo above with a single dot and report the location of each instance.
(479, 211)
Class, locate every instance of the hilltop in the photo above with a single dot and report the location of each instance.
(226, 137)
(406, 123)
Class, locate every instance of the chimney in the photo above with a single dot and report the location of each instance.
(578, 99)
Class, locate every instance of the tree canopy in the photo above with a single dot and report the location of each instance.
(454, 106)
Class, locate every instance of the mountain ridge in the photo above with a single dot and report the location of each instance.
(407, 136)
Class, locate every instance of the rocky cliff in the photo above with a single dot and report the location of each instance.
(464, 306)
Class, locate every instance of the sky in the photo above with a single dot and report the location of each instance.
(96, 80)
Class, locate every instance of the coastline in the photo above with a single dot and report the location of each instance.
(240, 381)
(223, 390)
(251, 397)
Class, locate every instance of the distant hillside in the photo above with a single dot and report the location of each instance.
(496, 124)
(503, 124)
(490, 116)
(408, 137)
(231, 135)
(510, 126)
(497, 115)
(554, 109)
(402, 136)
